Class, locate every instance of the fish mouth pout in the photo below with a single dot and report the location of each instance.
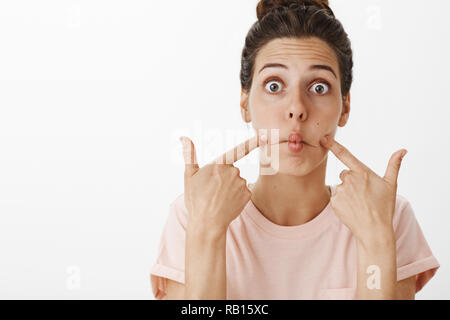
(287, 141)
(296, 146)
(295, 142)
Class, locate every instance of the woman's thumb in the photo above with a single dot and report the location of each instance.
(190, 157)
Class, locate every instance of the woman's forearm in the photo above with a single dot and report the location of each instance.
(377, 267)
(205, 263)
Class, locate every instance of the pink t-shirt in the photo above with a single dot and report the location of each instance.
(315, 260)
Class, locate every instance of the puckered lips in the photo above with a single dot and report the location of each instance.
(295, 137)
(295, 142)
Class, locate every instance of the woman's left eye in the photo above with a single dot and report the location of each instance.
(320, 87)
(274, 85)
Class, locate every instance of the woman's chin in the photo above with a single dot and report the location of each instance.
(294, 167)
(286, 166)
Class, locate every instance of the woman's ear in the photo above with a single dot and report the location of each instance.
(245, 112)
(345, 111)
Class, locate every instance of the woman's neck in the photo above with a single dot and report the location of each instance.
(289, 200)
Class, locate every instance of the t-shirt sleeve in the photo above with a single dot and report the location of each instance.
(414, 256)
(170, 258)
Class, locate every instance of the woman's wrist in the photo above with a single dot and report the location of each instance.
(376, 239)
(205, 232)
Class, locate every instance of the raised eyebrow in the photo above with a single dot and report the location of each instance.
(273, 65)
(323, 67)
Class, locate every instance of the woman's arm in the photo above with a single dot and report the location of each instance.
(205, 269)
(406, 288)
(214, 196)
(175, 290)
(365, 203)
(380, 253)
(377, 267)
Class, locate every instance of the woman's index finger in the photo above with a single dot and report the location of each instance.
(345, 155)
(239, 151)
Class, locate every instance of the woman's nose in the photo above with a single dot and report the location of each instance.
(296, 115)
(297, 111)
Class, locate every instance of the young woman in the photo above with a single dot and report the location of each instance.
(290, 236)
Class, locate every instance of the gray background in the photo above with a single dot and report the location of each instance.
(94, 95)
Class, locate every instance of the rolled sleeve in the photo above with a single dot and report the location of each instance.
(170, 262)
(414, 256)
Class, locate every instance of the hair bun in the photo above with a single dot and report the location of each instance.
(265, 6)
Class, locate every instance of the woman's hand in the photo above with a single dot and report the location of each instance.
(365, 202)
(215, 194)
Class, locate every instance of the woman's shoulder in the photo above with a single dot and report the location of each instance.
(178, 202)
(401, 201)
(403, 210)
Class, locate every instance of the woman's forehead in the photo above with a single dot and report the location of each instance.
(297, 51)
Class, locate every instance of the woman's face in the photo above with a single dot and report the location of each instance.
(300, 94)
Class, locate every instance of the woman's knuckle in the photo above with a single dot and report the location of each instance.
(235, 171)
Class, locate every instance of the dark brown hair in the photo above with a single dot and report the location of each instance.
(296, 19)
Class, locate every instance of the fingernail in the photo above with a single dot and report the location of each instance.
(324, 139)
(404, 154)
(183, 142)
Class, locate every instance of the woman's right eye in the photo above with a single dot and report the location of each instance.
(273, 85)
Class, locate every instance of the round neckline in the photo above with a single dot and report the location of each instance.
(314, 226)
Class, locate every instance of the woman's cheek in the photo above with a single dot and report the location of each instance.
(318, 128)
(266, 115)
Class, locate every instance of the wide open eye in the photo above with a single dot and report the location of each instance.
(273, 85)
(321, 88)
